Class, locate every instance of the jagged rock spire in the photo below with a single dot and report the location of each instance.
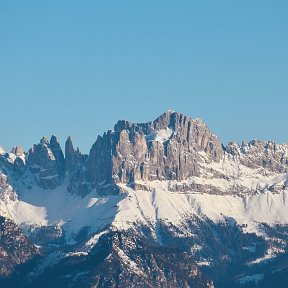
(69, 154)
(44, 141)
(46, 162)
(59, 156)
(17, 150)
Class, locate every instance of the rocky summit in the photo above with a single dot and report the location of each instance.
(157, 204)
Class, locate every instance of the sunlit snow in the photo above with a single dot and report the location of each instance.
(161, 135)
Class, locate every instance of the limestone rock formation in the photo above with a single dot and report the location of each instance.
(266, 154)
(165, 149)
(172, 147)
(189, 210)
(46, 162)
(75, 167)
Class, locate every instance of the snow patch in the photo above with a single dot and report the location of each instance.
(93, 240)
(160, 136)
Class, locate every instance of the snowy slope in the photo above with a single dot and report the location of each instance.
(158, 202)
(42, 207)
(253, 203)
(175, 207)
(167, 183)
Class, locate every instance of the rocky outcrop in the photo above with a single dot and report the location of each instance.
(172, 147)
(99, 164)
(18, 151)
(71, 155)
(265, 154)
(48, 165)
(46, 162)
(58, 155)
(75, 167)
(14, 161)
(159, 249)
(3, 180)
(165, 149)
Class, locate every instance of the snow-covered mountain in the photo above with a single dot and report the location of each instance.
(158, 204)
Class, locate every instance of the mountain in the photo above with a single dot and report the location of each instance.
(157, 204)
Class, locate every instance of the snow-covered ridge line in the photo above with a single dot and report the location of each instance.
(160, 200)
(177, 166)
(174, 207)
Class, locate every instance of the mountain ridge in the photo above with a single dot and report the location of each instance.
(132, 139)
(168, 182)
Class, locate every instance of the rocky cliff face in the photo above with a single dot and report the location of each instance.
(165, 149)
(162, 203)
(75, 167)
(168, 148)
(266, 154)
(46, 161)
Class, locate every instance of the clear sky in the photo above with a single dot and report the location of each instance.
(75, 67)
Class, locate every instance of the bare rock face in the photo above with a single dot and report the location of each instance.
(71, 155)
(172, 147)
(18, 151)
(46, 162)
(266, 154)
(58, 155)
(3, 180)
(14, 161)
(76, 170)
(165, 149)
(99, 164)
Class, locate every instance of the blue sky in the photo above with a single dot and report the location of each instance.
(76, 67)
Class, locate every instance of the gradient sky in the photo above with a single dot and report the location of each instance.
(75, 67)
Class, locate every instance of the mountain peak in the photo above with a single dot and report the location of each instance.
(44, 141)
(177, 189)
(72, 156)
(151, 151)
(17, 150)
(169, 112)
(54, 140)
